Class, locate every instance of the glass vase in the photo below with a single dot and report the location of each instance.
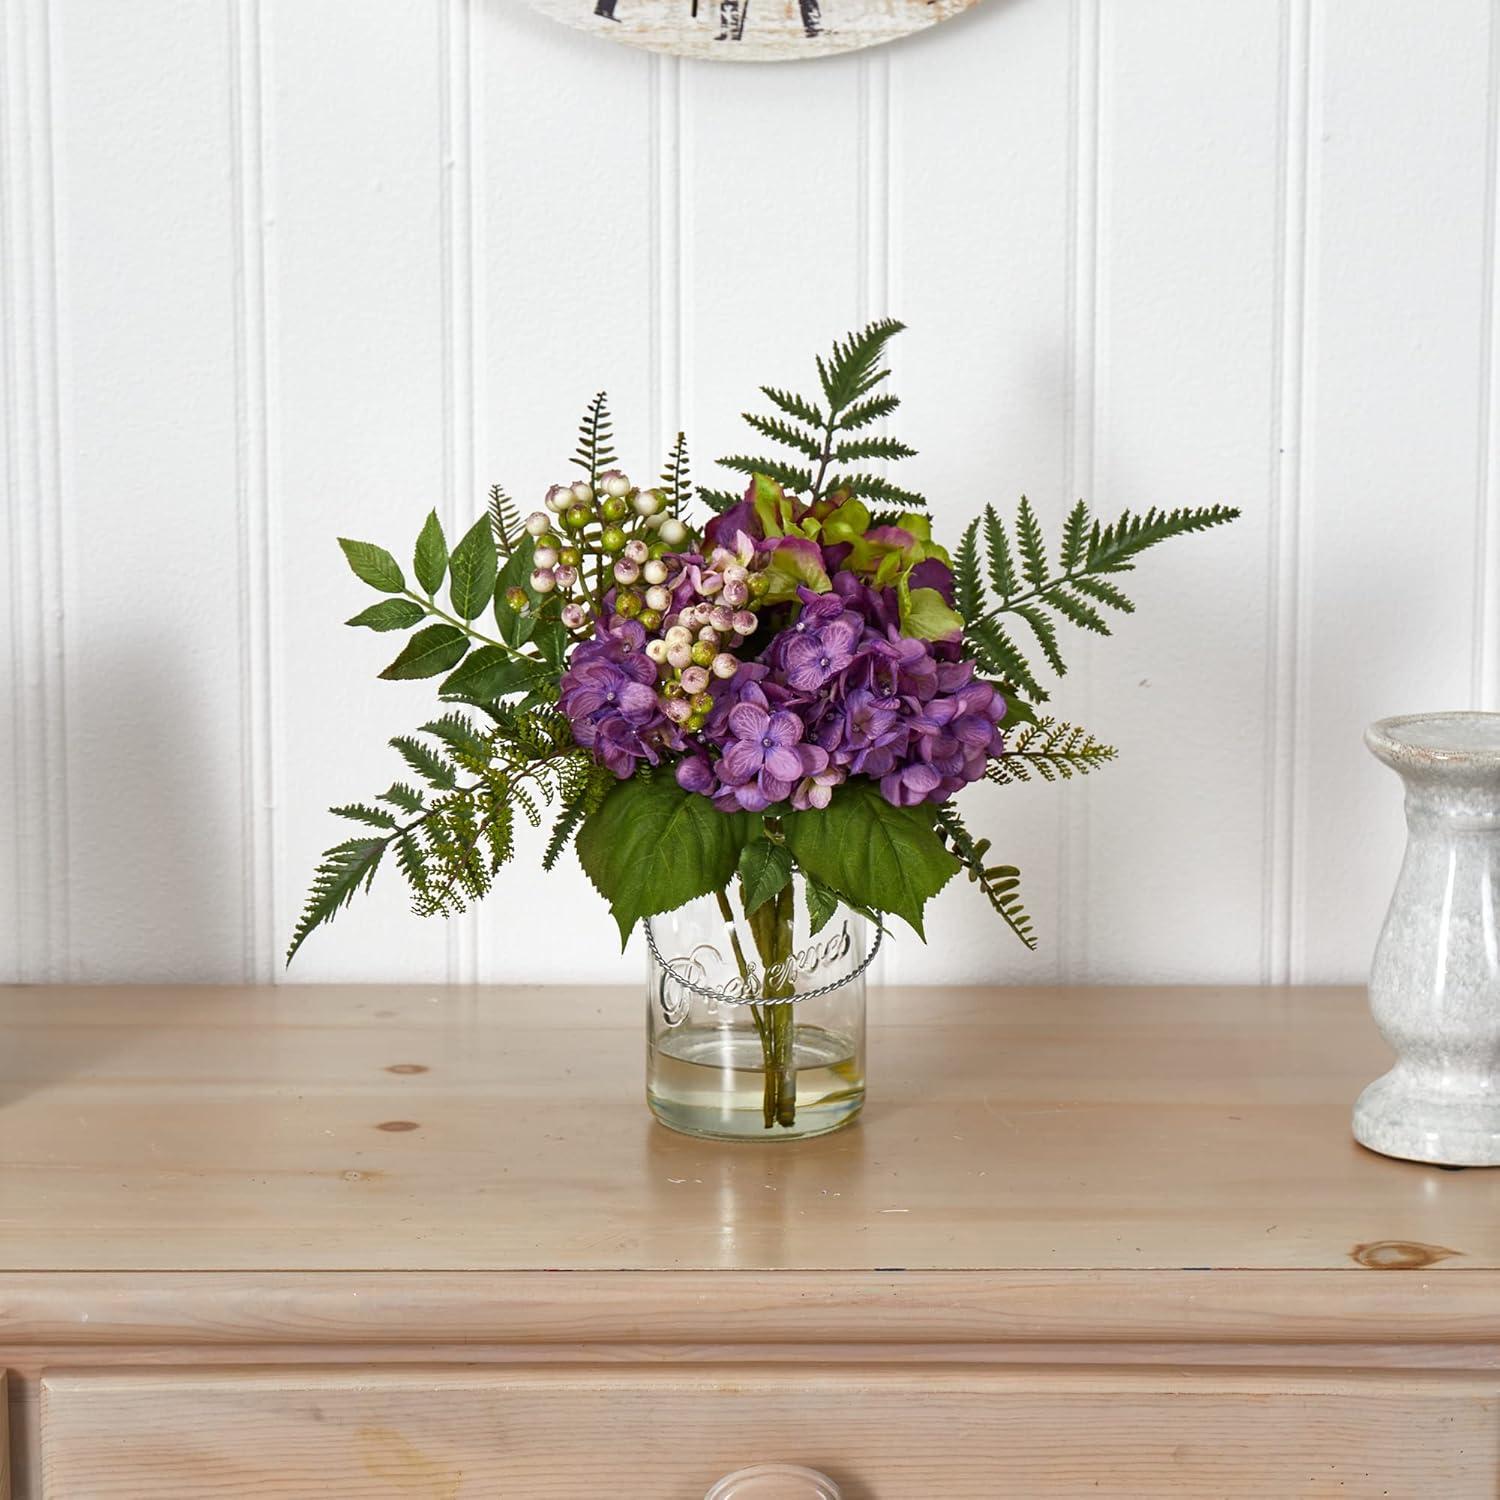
(755, 1026)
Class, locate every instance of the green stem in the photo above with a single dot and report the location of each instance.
(469, 630)
(771, 927)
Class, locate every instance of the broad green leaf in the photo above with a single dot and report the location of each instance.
(431, 561)
(821, 904)
(374, 565)
(516, 630)
(765, 868)
(879, 856)
(390, 614)
(438, 648)
(925, 615)
(489, 673)
(651, 847)
(472, 571)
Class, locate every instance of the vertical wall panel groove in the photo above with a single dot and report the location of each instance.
(460, 494)
(38, 568)
(257, 769)
(16, 698)
(1485, 692)
(1080, 399)
(1286, 460)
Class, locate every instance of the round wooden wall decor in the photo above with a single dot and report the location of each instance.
(752, 30)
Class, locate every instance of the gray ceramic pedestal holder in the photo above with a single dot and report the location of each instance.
(1435, 983)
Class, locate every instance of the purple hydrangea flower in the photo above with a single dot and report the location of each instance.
(609, 698)
(765, 755)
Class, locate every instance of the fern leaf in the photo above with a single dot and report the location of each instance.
(433, 768)
(359, 812)
(1085, 616)
(1033, 547)
(1046, 634)
(789, 476)
(968, 589)
(411, 859)
(783, 432)
(1049, 749)
(872, 487)
(455, 730)
(1000, 883)
(341, 873)
(674, 478)
(1112, 547)
(862, 413)
(997, 545)
(873, 447)
(999, 655)
(719, 501)
(795, 406)
(1104, 591)
(853, 368)
(595, 439)
(1075, 537)
(505, 519)
(402, 796)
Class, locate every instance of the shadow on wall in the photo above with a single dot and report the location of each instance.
(156, 868)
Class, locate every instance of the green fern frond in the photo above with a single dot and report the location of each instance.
(872, 447)
(1001, 884)
(1111, 548)
(853, 368)
(785, 434)
(1002, 568)
(406, 798)
(1077, 592)
(873, 487)
(505, 519)
(596, 450)
(719, 501)
(457, 731)
(795, 406)
(339, 875)
(1001, 658)
(1049, 749)
(1075, 537)
(675, 483)
(789, 476)
(360, 812)
(968, 588)
(871, 409)
(433, 768)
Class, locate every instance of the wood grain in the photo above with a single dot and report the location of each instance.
(661, 1435)
(1098, 1130)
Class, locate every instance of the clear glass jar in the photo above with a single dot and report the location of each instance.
(755, 1027)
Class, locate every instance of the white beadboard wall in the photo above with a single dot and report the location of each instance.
(279, 270)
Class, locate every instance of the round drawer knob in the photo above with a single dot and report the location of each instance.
(774, 1482)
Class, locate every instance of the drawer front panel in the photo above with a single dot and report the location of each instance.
(654, 1434)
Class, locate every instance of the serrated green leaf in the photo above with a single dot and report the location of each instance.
(515, 629)
(1033, 547)
(883, 857)
(472, 571)
(390, 614)
(821, 904)
(430, 562)
(651, 847)
(432, 767)
(1001, 566)
(489, 673)
(437, 648)
(340, 873)
(765, 869)
(373, 565)
(968, 590)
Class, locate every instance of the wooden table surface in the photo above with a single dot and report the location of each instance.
(335, 1128)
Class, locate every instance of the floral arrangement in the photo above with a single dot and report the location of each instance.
(789, 683)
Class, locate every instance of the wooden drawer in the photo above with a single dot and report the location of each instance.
(896, 1433)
